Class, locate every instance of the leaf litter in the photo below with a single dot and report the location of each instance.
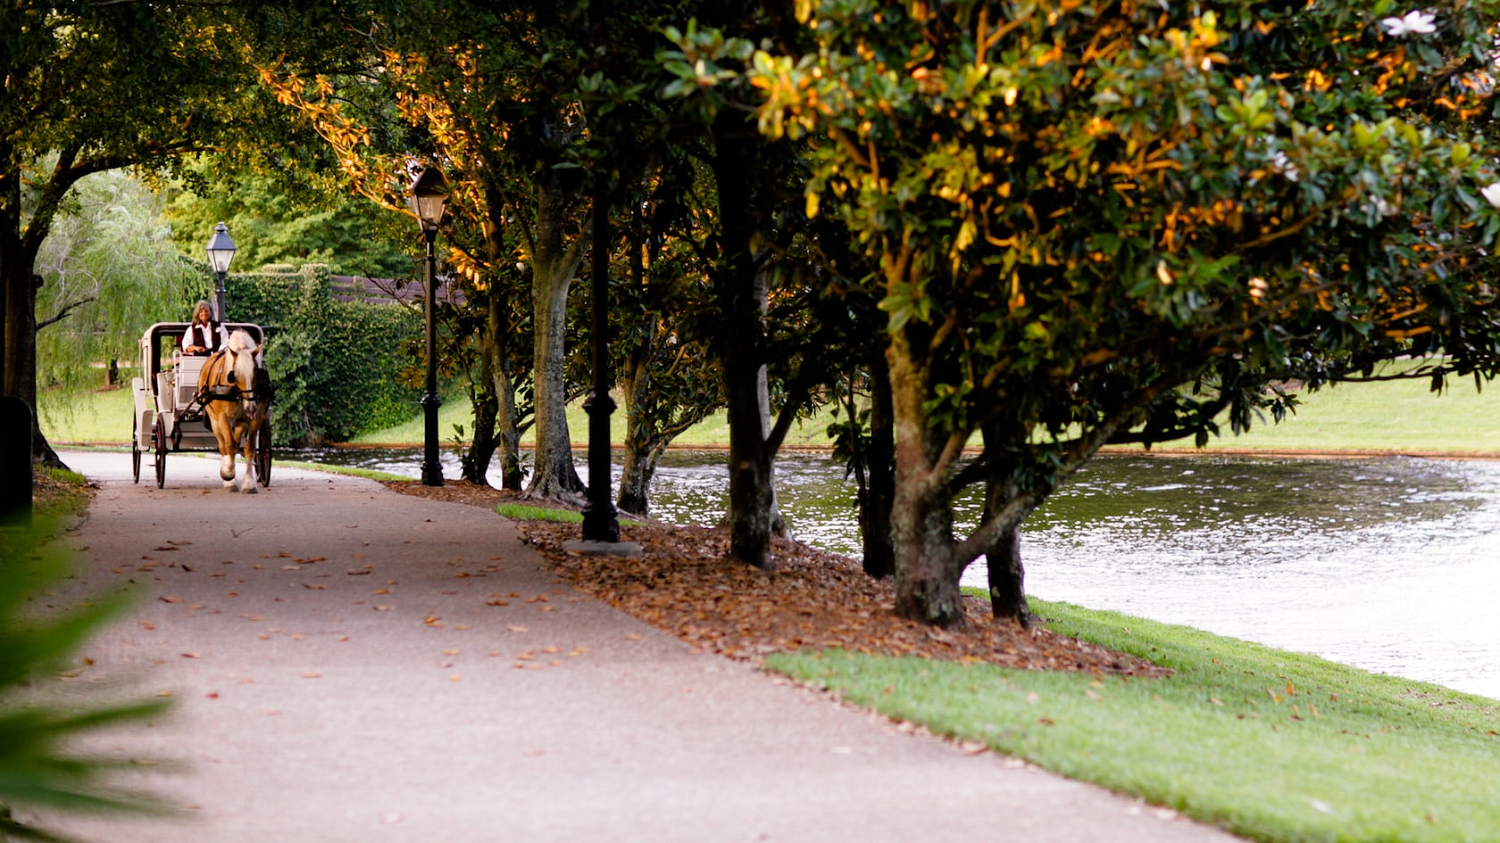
(684, 584)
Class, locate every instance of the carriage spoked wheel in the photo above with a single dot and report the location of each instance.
(159, 437)
(135, 449)
(263, 453)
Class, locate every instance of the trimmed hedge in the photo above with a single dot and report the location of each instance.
(335, 365)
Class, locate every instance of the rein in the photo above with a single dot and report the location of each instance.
(230, 391)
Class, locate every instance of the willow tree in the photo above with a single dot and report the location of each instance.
(83, 85)
(1096, 222)
(109, 269)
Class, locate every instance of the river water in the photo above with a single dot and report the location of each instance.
(1390, 564)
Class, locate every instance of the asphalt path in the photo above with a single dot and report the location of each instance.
(350, 664)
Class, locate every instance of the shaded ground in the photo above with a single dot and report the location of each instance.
(683, 585)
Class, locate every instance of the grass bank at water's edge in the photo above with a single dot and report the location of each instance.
(1398, 417)
(1271, 745)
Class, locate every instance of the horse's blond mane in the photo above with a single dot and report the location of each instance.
(241, 341)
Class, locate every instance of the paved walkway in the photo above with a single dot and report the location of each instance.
(349, 664)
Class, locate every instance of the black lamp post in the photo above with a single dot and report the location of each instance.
(428, 193)
(601, 521)
(220, 253)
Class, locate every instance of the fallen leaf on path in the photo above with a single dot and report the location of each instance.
(517, 628)
(170, 598)
(315, 586)
(433, 621)
(381, 607)
(190, 655)
(312, 674)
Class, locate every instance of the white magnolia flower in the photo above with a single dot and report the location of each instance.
(1258, 288)
(1492, 193)
(1284, 165)
(1422, 23)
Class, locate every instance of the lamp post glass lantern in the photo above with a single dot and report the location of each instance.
(220, 252)
(429, 191)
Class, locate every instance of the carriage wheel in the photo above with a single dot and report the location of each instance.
(135, 449)
(159, 436)
(263, 453)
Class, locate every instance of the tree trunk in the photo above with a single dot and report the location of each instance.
(922, 539)
(635, 484)
(740, 293)
(1007, 579)
(476, 460)
(553, 268)
(752, 499)
(922, 515)
(635, 478)
(502, 386)
(1006, 574)
(880, 477)
(18, 321)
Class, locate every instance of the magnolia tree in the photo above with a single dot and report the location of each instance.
(1115, 222)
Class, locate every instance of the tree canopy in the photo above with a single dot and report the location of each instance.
(1104, 222)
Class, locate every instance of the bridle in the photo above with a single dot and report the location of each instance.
(247, 397)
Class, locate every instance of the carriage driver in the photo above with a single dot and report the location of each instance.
(205, 335)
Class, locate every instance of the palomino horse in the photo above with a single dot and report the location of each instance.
(227, 391)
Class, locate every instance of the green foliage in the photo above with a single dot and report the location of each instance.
(270, 226)
(38, 768)
(335, 365)
(1111, 223)
(108, 260)
(1271, 745)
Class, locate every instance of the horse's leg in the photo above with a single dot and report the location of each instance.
(248, 430)
(223, 433)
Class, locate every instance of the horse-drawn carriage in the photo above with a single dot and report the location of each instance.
(174, 401)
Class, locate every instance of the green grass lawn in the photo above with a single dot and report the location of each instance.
(1271, 745)
(1390, 416)
(1396, 416)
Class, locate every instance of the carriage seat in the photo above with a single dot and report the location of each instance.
(164, 392)
(188, 370)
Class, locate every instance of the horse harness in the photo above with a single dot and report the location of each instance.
(231, 391)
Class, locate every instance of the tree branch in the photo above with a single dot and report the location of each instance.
(64, 311)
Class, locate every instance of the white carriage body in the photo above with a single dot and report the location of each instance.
(168, 415)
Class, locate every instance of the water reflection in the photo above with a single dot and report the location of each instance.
(1389, 564)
